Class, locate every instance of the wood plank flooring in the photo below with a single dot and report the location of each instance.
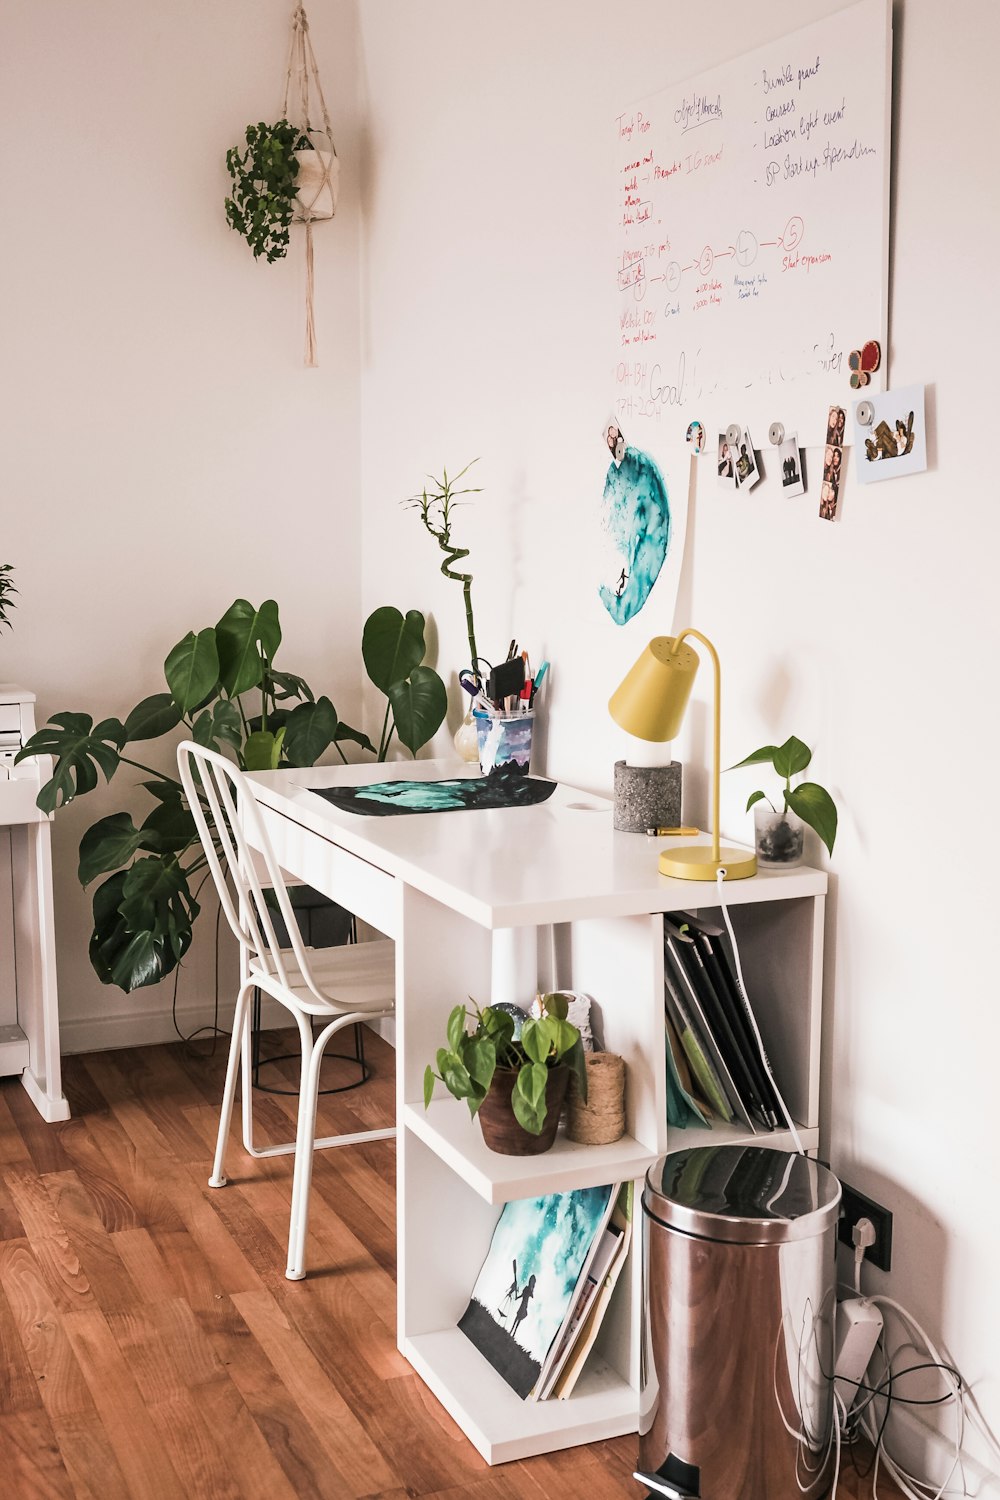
(151, 1346)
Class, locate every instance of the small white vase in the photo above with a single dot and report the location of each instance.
(779, 837)
(467, 739)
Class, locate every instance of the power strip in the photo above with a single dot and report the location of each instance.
(859, 1326)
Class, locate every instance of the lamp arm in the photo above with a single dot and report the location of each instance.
(716, 730)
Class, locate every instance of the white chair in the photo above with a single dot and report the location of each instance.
(343, 986)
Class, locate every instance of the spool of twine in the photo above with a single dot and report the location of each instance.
(602, 1119)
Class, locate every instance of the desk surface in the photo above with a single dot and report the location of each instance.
(560, 861)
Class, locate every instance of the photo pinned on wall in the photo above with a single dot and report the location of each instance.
(792, 482)
(696, 438)
(615, 439)
(836, 423)
(833, 478)
(893, 442)
(745, 463)
(726, 463)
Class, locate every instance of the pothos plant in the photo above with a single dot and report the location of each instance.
(436, 509)
(263, 195)
(812, 803)
(6, 590)
(224, 689)
(467, 1065)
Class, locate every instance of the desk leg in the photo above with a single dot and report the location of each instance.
(35, 953)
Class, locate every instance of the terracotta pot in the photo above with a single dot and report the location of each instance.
(501, 1130)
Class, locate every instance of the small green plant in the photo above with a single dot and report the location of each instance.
(435, 508)
(808, 801)
(263, 195)
(6, 590)
(467, 1065)
(225, 690)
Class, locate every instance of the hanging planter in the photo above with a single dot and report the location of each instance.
(290, 171)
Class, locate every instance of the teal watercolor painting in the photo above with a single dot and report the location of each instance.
(636, 516)
(506, 786)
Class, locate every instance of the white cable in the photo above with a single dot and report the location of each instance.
(720, 877)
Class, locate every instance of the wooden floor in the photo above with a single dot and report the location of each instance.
(151, 1346)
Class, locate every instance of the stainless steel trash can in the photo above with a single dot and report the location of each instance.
(740, 1270)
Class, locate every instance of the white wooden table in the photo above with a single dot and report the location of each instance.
(477, 901)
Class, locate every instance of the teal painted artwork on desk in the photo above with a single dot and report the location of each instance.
(636, 516)
(505, 786)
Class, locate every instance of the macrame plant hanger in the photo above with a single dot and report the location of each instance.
(319, 169)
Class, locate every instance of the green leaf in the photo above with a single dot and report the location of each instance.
(418, 707)
(391, 645)
(576, 1060)
(156, 899)
(192, 669)
(481, 1061)
(246, 636)
(284, 685)
(163, 791)
(132, 953)
(537, 1038)
(762, 757)
(310, 730)
(429, 1076)
(456, 1027)
(79, 748)
(556, 1005)
(528, 1098)
(108, 845)
(152, 717)
(454, 1074)
(754, 798)
(262, 750)
(346, 735)
(815, 807)
(169, 829)
(219, 725)
(565, 1036)
(791, 757)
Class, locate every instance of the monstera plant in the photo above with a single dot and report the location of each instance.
(225, 692)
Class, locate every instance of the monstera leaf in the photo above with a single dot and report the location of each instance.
(419, 705)
(310, 729)
(192, 669)
(110, 844)
(79, 747)
(219, 725)
(392, 645)
(245, 637)
(152, 717)
(142, 923)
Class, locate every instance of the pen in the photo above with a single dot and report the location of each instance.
(538, 679)
(662, 832)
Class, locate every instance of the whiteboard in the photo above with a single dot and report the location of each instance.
(752, 235)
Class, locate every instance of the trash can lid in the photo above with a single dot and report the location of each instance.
(747, 1194)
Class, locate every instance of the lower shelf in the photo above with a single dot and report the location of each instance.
(502, 1426)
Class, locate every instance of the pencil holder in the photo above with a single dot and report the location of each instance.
(504, 739)
(602, 1119)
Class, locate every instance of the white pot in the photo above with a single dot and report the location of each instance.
(316, 197)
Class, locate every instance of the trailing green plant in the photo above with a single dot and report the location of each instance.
(224, 689)
(263, 194)
(6, 590)
(808, 801)
(467, 1065)
(435, 510)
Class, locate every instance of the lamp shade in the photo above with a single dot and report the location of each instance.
(651, 700)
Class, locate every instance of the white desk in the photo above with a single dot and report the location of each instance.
(29, 1006)
(449, 888)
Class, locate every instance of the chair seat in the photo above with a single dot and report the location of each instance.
(356, 976)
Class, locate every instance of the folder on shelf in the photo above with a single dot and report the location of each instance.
(702, 1070)
(683, 1109)
(576, 1356)
(674, 943)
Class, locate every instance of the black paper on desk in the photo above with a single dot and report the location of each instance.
(505, 786)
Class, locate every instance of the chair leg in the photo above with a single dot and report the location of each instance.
(305, 1135)
(218, 1178)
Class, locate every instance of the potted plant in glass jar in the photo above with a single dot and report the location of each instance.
(512, 1071)
(779, 835)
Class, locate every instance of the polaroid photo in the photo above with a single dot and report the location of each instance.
(894, 443)
(792, 482)
(696, 438)
(829, 495)
(745, 462)
(836, 424)
(614, 439)
(725, 463)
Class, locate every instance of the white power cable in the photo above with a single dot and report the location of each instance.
(720, 877)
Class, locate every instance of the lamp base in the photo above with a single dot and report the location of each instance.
(695, 862)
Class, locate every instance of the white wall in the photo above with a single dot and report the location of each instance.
(487, 203)
(164, 449)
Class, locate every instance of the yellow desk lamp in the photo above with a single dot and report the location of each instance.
(650, 703)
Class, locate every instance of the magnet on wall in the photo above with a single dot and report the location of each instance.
(733, 434)
(776, 433)
(864, 362)
(864, 413)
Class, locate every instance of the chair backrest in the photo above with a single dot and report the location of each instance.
(225, 811)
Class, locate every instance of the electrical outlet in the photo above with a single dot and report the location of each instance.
(855, 1206)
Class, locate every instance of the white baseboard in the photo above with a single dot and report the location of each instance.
(928, 1454)
(149, 1026)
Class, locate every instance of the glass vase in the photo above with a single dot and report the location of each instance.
(778, 836)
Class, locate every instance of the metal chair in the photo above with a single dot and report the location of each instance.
(343, 986)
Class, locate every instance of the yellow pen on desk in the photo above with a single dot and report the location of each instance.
(673, 832)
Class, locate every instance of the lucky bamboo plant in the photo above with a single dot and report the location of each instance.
(435, 508)
(224, 689)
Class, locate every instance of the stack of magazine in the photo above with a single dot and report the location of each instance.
(717, 1068)
(545, 1286)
